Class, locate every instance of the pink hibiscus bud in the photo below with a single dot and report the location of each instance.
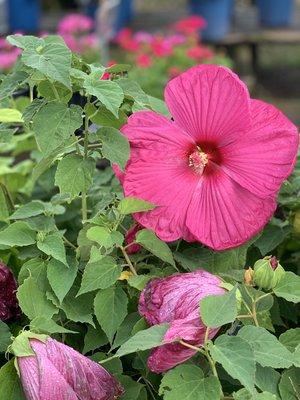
(130, 238)
(210, 168)
(175, 300)
(9, 307)
(56, 371)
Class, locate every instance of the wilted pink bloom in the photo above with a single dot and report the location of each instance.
(175, 300)
(9, 307)
(199, 53)
(130, 238)
(214, 171)
(143, 61)
(74, 24)
(190, 25)
(61, 373)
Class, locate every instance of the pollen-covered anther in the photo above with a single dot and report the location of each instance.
(198, 160)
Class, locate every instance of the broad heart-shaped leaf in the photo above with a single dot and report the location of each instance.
(187, 382)
(290, 339)
(47, 326)
(10, 115)
(11, 82)
(99, 273)
(17, 234)
(33, 301)
(110, 307)
(115, 146)
(54, 123)
(74, 174)
(5, 336)
(104, 237)
(271, 237)
(94, 338)
(61, 277)
(125, 329)
(267, 379)
(10, 385)
(131, 205)
(237, 358)
(132, 388)
(152, 243)
(133, 91)
(109, 93)
(49, 56)
(268, 351)
(78, 309)
(243, 394)
(216, 311)
(53, 245)
(144, 340)
(28, 210)
(289, 287)
(289, 385)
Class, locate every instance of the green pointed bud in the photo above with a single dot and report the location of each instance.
(263, 273)
(277, 275)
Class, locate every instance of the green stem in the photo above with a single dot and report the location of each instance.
(69, 243)
(190, 346)
(31, 93)
(129, 263)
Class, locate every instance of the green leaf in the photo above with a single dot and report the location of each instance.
(53, 245)
(110, 307)
(21, 346)
(124, 332)
(290, 339)
(237, 358)
(35, 268)
(109, 93)
(102, 236)
(74, 174)
(187, 382)
(11, 82)
(216, 311)
(133, 91)
(28, 210)
(78, 309)
(243, 394)
(94, 338)
(17, 234)
(50, 56)
(100, 274)
(61, 278)
(54, 91)
(289, 385)
(54, 123)
(10, 115)
(271, 237)
(131, 205)
(289, 287)
(48, 326)
(10, 385)
(268, 351)
(102, 117)
(33, 301)
(144, 340)
(267, 379)
(4, 204)
(160, 249)
(115, 146)
(139, 281)
(5, 337)
(132, 387)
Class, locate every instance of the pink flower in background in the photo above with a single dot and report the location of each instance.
(160, 47)
(175, 300)
(215, 170)
(61, 373)
(143, 60)
(175, 40)
(126, 40)
(199, 53)
(174, 71)
(106, 75)
(130, 238)
(74, 24)
(143, 37)
(190, 25)
(9, 307)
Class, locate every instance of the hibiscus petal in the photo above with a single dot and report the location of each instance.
(158, 172)
(262, 159)
(222, 214)
(29, 374)
(210, 103)
(168, 356)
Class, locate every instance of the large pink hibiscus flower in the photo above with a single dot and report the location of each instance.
(215, 169)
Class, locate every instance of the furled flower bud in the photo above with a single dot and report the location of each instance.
(130, 238)
(248, 276)
(9, 307)
(267, 272)
(175, 300)
(56, 371)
